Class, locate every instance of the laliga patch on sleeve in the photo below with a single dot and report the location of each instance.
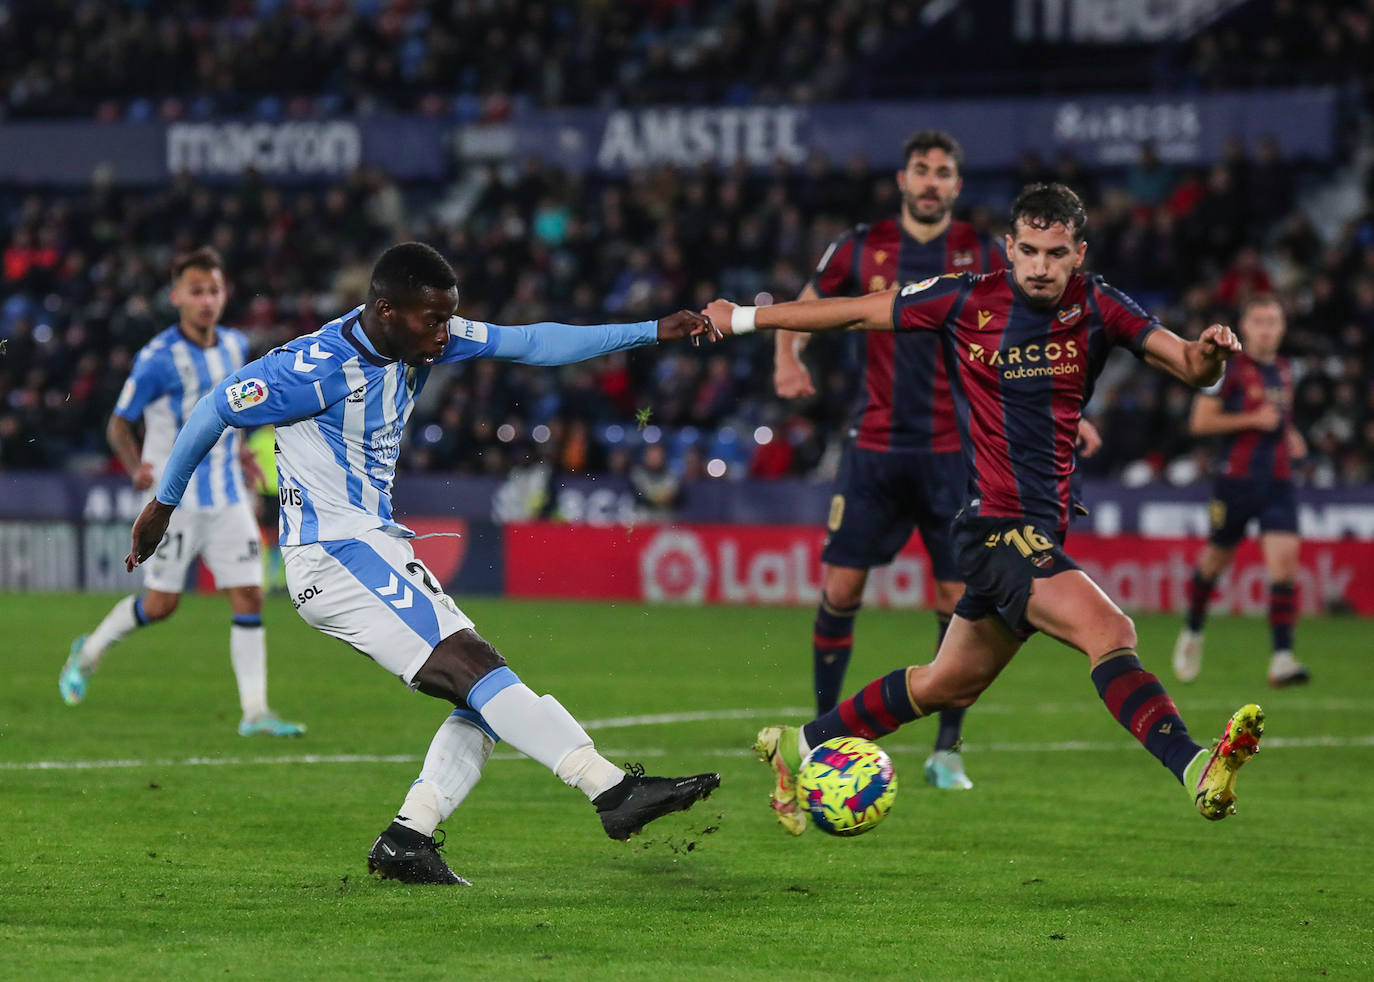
(911, 288)
(461, 327)
(246, 394)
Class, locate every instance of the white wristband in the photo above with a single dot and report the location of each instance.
(742, 319)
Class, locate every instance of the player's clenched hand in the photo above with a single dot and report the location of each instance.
(149, 529)
(685, 324)
(143, 477)
(792, 381)
(1089, 440)
(1219, 343)
(1267, 418)
(718, 312)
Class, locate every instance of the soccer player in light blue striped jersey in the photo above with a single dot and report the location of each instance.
(215, 519)
(339, 399)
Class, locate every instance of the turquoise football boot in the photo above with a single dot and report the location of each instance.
(270, 724)
(72, 682)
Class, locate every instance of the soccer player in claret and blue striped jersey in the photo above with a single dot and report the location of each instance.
(339, 399)
(215, 520)
(1251, 410)
(903, 468)
(1022, 349)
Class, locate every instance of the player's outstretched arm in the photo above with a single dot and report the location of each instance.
(1199, 363)
(562, 344)
(871, 312)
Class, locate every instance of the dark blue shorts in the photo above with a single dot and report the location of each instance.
(1236, 501)
(1000, 558)
(881, 498)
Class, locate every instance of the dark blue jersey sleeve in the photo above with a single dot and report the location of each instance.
(1124, 321)
(925, 305)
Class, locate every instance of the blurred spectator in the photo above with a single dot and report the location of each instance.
(657, 489)
(82, 273)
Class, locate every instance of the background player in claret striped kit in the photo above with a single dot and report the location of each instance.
(215, 520)
(1251, 409)
(902, 467)
(1024, 348)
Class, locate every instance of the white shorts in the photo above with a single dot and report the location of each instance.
(371, 592)
(226, 539)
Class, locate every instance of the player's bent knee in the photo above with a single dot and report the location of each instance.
(246, 599)
(455, 666)
(1122, 633)
(159, 606)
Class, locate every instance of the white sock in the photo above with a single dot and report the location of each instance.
(117, 625)
(588, 771)
(248, 653)
(452, 766)
(539, 727)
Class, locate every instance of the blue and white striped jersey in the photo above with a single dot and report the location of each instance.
(170, 375)
(339, 409)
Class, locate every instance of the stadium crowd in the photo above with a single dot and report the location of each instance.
(84, 276)
(480, 58)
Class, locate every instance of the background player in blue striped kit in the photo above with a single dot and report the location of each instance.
(339, 399)
(215, 519)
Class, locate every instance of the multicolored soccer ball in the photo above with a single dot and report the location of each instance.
(848, 785)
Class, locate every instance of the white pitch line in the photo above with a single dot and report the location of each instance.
(710, 715)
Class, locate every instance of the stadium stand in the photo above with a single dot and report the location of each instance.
(83, 275)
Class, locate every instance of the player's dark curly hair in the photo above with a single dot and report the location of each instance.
(404, 270)
(1043, 205)
(928, 140)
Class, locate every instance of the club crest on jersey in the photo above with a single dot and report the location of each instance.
(246, 394)
(911, 288)
(877, 284)
(1070, 316)
(961, 258)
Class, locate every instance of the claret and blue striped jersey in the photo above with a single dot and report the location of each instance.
(1258, 455)
(1019, 377)
(904, 402)
(339, 409)
(170, 375)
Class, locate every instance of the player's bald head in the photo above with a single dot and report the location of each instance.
(404, 272)
(1041, 206)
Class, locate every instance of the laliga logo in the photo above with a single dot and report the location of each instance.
(675, 567)
(252, 391)
(246, 394)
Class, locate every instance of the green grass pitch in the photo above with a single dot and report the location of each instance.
(157, 843)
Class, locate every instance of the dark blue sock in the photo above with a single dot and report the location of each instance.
(832, 642)
(1283, 614)
(139, 615)
(248, 620)
(874, 711)
(1138, 701)
(1199, 595)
